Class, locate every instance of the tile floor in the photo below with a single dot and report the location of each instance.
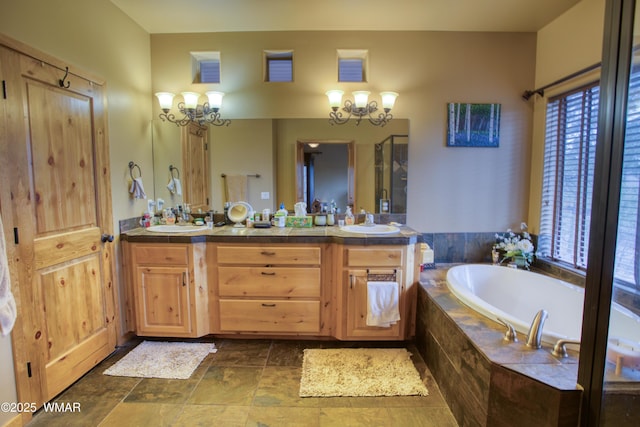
(246, 383)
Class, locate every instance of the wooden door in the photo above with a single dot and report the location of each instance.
(195, 164)
(60, 208)
(162, 303)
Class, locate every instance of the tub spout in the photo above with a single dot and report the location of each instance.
(534, 337)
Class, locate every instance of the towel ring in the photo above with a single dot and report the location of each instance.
(173, 168)
(131, 166)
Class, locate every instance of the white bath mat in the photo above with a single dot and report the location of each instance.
(154, 359)
(359, 372)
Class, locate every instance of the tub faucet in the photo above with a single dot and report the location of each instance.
(534, 337)
(510, 334)
(560, 350)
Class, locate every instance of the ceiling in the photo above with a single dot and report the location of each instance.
(195, 16)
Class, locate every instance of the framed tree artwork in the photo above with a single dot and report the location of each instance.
(473, 125)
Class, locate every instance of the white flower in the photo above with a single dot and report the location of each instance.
(525, 246)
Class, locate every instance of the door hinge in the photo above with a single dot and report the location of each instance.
(206, 145)
(207, 200)
(15, 235)
(29, 369)
(4, 89)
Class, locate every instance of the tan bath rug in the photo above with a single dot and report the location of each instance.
(154, 359)
(359, 372)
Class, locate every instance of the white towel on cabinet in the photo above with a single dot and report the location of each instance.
(8, 310)
(137, 189)
(175, 186)
(382, 307)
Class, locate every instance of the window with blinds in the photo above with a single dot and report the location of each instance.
(570, 141)
(569, 160)
(205, 67)
(278, 66)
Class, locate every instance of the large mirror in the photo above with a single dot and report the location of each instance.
(262, 155)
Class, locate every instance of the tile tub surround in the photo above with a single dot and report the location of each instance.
(484, 379)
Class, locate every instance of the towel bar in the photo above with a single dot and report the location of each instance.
(382, 277)
(255, 175)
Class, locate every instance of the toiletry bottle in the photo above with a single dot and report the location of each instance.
(227, 205)
(282, 211)
(349, 219)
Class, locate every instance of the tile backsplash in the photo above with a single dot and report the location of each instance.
(460, 247)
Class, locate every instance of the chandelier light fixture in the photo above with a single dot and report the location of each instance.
(205, 114)
(360, 107)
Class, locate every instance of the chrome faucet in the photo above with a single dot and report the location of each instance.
(534, 337)
(368, 219)
(560, 350)
(510, 334)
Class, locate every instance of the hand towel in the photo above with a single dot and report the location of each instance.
(236, 188)
(382, 307)
(137, 189)
(8, 310)
(175, 186)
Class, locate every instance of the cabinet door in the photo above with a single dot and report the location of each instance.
(162, 301)
(357, 304)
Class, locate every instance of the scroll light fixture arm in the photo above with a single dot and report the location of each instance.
(360, 107)
(336, 117)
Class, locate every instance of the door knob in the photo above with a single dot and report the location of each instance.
(107, 238)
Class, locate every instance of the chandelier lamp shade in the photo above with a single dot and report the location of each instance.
(192, 112)
(360, 107)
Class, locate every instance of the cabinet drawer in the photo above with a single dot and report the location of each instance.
(161, 254)
(270, 316)
(284, 282)
(381, 257)
(247, 255)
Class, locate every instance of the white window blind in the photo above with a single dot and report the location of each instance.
(627, 257)
(569, 161)
(210, 71)
(568, 175)
(350, 70)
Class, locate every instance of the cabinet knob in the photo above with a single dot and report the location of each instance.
(107, 238)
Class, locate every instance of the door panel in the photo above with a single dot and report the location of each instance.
(62, 156)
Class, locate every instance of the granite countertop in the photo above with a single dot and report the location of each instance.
(316, 234)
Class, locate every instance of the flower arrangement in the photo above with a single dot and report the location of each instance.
(515, 247)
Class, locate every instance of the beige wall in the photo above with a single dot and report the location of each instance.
(569, 44)
(94, 36)
(449, 189)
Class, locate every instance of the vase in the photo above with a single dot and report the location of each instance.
(520, 261)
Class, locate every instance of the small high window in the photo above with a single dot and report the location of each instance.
(352, 65)
(278, 66)
(205, 67)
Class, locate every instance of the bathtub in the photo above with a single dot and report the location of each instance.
(517, 295)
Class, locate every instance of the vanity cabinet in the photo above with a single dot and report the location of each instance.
(267, 289)
(169, 289)
(361, 264)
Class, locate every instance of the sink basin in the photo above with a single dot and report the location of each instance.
(172, 228)
(371, 229)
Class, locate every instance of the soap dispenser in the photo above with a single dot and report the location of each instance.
(349, 219)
